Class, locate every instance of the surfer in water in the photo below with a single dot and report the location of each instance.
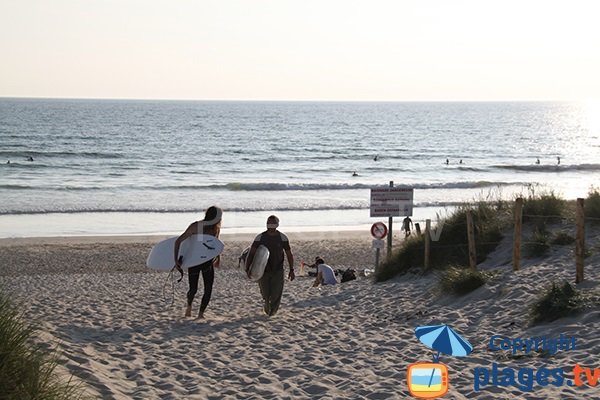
(271, 283)
(210, 225)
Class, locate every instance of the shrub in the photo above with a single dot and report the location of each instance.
(538, 244)
(410, 255)
(26, 370)
(544, 207)
(556, 302)
(563, 239)
(592, 205)
(460, 281)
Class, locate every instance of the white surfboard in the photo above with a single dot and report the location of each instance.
(259, 263)
(195, 250)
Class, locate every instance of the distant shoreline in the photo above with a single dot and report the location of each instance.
(151, 239)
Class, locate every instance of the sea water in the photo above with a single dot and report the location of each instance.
(144, 167)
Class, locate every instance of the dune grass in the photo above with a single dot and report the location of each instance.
(592, 205)
(26, 370)
(452, 246)
(461, 280)
(562, 239)
(544, 207)
(557, 301)
(538, 244)
(491, 219)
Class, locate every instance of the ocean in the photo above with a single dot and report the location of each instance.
(128, 167)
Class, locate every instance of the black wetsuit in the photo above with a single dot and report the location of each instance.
(208, 277)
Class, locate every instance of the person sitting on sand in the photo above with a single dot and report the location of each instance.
(271, 283)
(210, 225)
(325, 274)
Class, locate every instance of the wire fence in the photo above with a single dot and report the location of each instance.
(537, 232)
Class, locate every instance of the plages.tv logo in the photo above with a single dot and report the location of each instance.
(427, 380)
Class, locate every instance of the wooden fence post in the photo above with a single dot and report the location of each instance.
(580, 241)
(471, 238)
(517, 234)
(427, 244)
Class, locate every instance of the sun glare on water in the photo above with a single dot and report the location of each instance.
(591, 117)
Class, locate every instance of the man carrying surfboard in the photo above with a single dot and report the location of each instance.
(210, 225)
(271, 283)
(406, 224)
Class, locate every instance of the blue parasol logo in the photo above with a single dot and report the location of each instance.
(429, 380)
(443, 339)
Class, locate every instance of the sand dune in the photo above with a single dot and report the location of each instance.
(118, 331)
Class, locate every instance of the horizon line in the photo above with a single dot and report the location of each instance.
(304, 100)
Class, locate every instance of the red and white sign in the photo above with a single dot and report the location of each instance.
(379, 230)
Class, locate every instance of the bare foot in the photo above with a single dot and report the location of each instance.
(188, 311)
(200, 315)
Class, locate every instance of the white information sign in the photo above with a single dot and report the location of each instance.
(391, 201)
(378, 244)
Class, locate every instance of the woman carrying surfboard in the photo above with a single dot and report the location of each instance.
(271, 283)
(210, 225)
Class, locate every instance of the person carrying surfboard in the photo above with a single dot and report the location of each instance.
(406, 225)
(210, 225)
(271, 283)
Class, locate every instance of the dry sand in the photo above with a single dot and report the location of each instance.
(118, 332)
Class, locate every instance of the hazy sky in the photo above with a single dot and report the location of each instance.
(301, 50)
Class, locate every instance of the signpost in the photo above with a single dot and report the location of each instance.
(378, 231)
(391, 202)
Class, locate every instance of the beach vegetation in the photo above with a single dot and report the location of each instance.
(557, 301)
(461, 280)
(27, 371)
(562, 239)
(539, 242)
(592, 205)
(543, 207)
(451, 246)
(409, 256)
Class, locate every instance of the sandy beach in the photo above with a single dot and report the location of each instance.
(120, 331)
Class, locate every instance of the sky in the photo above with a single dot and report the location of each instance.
(370, 50)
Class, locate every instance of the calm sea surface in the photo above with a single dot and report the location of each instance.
(135, 167)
